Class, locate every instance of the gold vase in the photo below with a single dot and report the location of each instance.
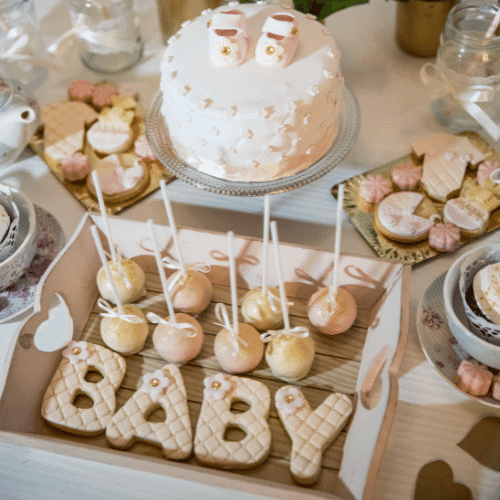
(419, 24)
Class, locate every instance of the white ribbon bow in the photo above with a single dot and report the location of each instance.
(467, 97)
(187, 329)
(111, 313)
(223, 317)
(273, 300)
(121, 271)
(300, 332)
(169, 263)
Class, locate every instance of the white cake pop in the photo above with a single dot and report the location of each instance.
(179, 337)
(126, 275)
(238, 346)
(290, 351)
(123, 328)
(333, 309)
(191, 291)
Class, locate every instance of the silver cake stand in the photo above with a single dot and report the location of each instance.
(159, 139)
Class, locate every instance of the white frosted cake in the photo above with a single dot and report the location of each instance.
(249, 122)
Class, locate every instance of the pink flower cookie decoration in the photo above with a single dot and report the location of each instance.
(473, 378)
(80, 90)
(406, 176)
(76, 352)
(76, 167)
(289, 400)
(444, 237)
(216, 386)
(102, 96)
(143, 149)
(374, 188)
(155, 383)
(484, 171)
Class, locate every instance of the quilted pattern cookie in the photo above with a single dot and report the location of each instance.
(162, 389)
(69, 381)
(311, 432)
(216, 417)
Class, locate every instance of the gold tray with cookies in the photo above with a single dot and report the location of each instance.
(99, 127)
(476, 200)
(361, 364)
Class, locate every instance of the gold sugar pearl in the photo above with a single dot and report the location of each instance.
(209, 24)
(216, 385)
(155, 382)
(225, 51)
(289, 398)
(270, 50)
(76, 351)
(295, 30)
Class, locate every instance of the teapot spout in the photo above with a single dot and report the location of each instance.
(13, 130)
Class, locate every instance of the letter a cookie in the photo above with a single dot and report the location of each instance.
(311, 432)
(68, 382)
(211, 448)
(162, 389)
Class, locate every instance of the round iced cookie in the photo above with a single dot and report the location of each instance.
(123, 336)
(374, 188)
(290, 357)
(248, 354)
(176, 343)
(406, 176)
(190, 294)
(129, 280)
(332, 316)
(262, 311)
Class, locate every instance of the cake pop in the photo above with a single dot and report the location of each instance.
(333, 309)
(125, 275)
(238, 346)
(290, 351)
(261, 306)
(179, 337)
(123, 328)
(191, 291)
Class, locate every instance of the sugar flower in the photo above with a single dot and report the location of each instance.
(288, 399)
(216, 386)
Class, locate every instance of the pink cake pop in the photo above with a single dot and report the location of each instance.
(238, 346)
(179, 337)
(190, 289)
(333, 309)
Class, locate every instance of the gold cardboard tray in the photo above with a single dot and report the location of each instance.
(414, 253)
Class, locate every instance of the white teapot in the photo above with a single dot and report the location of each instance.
(19, 119)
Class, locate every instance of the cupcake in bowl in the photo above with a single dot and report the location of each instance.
(19, 240)
(469, 317)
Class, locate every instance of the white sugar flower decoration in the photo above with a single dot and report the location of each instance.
(271, 52)
(76, 352)
(225, 52)
(155, 383)
(288, 399)
(216, 386)
(449, 156)
(466, 158)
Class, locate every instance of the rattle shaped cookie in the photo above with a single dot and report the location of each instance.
(311, 432)
(165, 389)
(216, 417)
(69, 381)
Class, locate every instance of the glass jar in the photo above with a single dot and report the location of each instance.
(20, 41)
(468, 69)
(108, 34)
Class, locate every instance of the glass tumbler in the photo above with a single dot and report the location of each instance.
(468, 69)
(108, 34)
(20, 41)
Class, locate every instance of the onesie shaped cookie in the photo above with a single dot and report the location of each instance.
(69, 381)
(216, 417)
(311, 432)
(162, 389)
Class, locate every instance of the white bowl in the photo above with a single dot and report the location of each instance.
(12, 268)
(479, 349)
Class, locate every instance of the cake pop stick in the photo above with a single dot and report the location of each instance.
(261, 306)
(290, 351)
(179, 337)
(190, 289)
(333, 309)
(123, 329)
(238, 346)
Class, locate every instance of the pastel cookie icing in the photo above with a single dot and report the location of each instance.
(251, 123)
(444, 237)
(406, 176)
(374, 188)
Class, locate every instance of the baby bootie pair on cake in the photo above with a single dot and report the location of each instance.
(229, 42)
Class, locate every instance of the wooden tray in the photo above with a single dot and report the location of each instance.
(362, 362)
